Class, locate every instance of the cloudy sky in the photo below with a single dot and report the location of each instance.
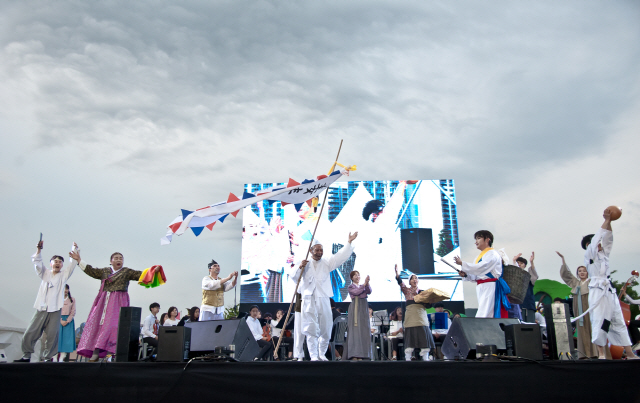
(116, 114)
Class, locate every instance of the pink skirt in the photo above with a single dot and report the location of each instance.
(101, 328)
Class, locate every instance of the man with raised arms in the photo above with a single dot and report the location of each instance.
(485, 271)
(607, 321)
(48, 305)
(316, 291)
(213, 289)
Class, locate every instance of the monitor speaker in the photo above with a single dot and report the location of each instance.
(417, 250)
(523, 341)
(207, 335)
(559, 331)
(174, 343)
(128, 334)
(465, 333)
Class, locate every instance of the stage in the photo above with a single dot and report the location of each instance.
(447, 381)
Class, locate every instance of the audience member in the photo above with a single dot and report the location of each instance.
(163, 318)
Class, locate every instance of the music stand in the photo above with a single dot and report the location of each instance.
(378, 319)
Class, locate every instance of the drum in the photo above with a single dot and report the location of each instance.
(518, 280)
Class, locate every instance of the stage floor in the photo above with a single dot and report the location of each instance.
(469, 381)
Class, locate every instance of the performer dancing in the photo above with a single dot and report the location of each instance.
(100, 333)
(316, 290)
(358, 345)
(607, 321)
(487, 273)
(49, 303)
(213, 289)
(416, 322)
(580, 290)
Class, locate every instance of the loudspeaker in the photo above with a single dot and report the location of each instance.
(465, 333)
(174, 343)
(417, 250)
(559, 331)
(128, 334)
(523, 341)
(207, 335)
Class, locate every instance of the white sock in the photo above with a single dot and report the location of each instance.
(408, 352)
(95, 354)
(424, 353)
(62, 357)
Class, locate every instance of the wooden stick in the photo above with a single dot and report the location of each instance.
(293, 300)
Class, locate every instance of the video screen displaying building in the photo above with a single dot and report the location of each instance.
(386, 215)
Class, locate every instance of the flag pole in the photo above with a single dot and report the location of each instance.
(293, 300)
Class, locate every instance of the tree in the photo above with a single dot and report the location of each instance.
(445, 244)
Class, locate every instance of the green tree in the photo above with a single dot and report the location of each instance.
(232, 313)
(635, 309)
(445, 244)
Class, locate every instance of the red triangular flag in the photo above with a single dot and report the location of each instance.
(292, 183)
(210, 226)
(174, 227)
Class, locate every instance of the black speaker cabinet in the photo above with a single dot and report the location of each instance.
(523, 341)
(174, 343)
(465, 333)
(207, 335)
(128, 334)
(417, 250)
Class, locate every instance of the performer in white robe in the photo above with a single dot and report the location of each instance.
(316, 290)
(607, 321)
(485, 272)
(213, 289)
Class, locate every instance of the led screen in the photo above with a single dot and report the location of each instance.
(411, 223)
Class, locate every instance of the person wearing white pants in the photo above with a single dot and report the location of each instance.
(315, 288)
(298, 337)
(606, 315)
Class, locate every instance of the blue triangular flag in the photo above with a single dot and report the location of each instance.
(306, 181)
(297, 206)
(247, 195)
(197, 230)
(223, 217)
(185, 213)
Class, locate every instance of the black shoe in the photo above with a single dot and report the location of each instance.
(23, 360)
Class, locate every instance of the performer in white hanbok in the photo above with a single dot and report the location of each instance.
(607, 321)
(213, 289)
(487, 273)
(316, 290)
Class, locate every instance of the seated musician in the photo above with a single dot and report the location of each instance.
(258, 333)
(441, 333)
(395, 331)
(277, 332)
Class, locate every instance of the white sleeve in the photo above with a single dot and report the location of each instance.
(38, 264)
(210, 284)
(340, 256)
(484, 266)
(228, 285)
(631, 300)
(607, 241)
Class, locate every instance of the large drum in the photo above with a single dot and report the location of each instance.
(518, 280)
